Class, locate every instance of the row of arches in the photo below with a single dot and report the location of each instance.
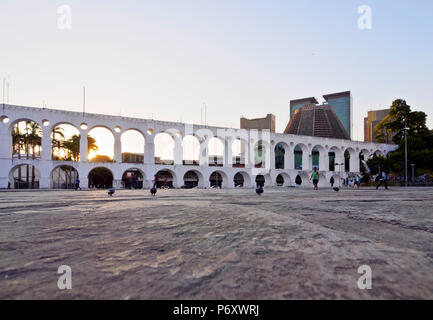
(27, 176)
(101, 145)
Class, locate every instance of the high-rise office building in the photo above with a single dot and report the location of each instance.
(266, 123)
(374, 117)
(342, 105)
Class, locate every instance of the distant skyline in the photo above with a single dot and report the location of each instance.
(245, 58)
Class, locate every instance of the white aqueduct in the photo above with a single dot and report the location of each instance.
(228, 170)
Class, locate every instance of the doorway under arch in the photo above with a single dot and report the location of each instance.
(63, 177)
(100, 178)
(132, 179)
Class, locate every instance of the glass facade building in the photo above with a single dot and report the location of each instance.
(342, 104)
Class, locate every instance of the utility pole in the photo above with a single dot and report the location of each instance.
(405, 152)
(413, 172)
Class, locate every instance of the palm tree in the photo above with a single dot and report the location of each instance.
(34, 140)
(57, 143)
(73, 146)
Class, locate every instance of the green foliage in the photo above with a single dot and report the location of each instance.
(419, 140)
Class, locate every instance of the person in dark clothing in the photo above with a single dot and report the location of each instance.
(382, 179)
(77, 184)
(332, 182)
(155, 182)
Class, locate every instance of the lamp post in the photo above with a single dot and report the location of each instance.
(413, 172)
(405, 152)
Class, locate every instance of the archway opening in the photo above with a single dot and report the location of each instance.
(260, 155)
(238, 180)
(298, 157)
(347, 161)
(260, 180)
(190, 180)
(132, 179)
(165, 179)
(65, 143)
(280, 180)
(216, 152)
(164, 149)
(100, 178)
(63, 177)
(315, 154)
(132, 146)
(24, 176)
(298, 180)
(191, 151)
(279, 156)
(100, 145)
(216, 180)
(238, 153)
(331, 156)
(26, 140)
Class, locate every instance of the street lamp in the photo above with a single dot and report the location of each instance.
(405, 151)
(413, 172)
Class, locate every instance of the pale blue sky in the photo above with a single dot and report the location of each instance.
(249, 58)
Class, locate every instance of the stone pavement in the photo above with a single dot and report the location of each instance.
(217, 244)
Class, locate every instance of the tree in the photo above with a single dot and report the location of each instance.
(71, 147)
(419, 138)
(56, 144)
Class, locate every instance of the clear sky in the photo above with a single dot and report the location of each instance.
(166, 58)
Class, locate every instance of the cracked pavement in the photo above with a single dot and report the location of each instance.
(217, 244)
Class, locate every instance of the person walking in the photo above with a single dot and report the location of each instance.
(332, 182)
(382, 179)
(315, 178)
(77, 184)
(155, 182)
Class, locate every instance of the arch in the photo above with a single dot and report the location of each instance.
(216, 152)
(191, 150)
(351, 160)
(302, 179)
(100, 144)
(261, 154)
(100, 178)
(302, 157)
(133, 178)
(260, 180)
(166, 179)
(239, 152)
(281, 152)
(335, 159)
(24, 176)
(283, 179)
(193, 179)
(65, 142)
(378, 152)
(319, 158)
(133, 142)
(26, 142)
(63, 177)
(242, 180)
(164, 148)
(218, 179)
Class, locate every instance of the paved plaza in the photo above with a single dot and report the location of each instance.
(217, 244)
